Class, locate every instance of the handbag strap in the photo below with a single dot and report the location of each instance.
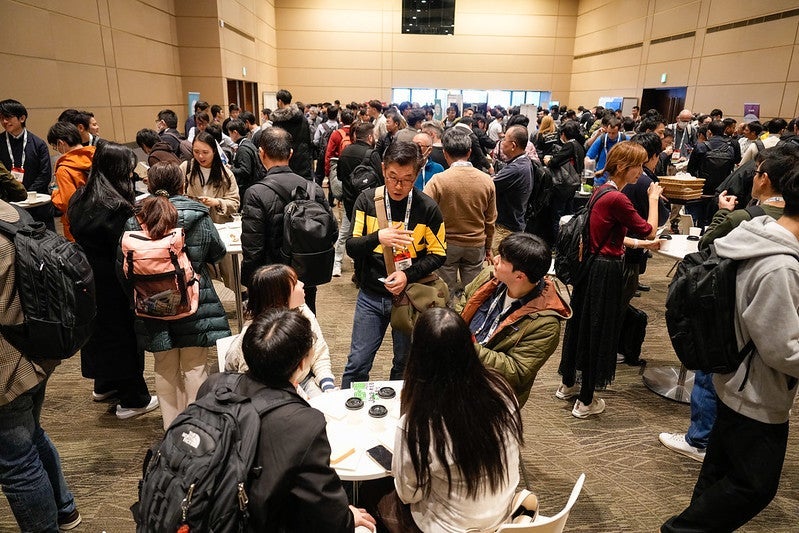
(382, 223)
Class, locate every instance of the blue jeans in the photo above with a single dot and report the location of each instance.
(703, 410)
(30, 469)
(372, 317)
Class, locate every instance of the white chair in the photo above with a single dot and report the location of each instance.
(546, 524)
(222, 346)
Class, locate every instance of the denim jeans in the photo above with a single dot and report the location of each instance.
(372, 317)
(30, 469)
(703, 410)
(344, 233)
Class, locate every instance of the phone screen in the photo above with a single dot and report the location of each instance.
(381, 456)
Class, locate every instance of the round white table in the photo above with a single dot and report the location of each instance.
(231, 237)
(41, 199)
(351, 433)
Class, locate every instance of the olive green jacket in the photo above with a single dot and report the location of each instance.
(524, 340)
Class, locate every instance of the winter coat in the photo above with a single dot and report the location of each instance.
(247, 166)
(209, 323)
(291, 119)
(71, 173)
(112, 351)
(525, 339)
(229, 196)
(162, 152)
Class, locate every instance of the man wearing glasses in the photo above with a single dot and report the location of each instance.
(415, 232)
(514, 183)
(166, 124)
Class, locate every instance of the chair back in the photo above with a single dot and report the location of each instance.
(548, 524)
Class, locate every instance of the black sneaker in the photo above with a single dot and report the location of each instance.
(70, 521)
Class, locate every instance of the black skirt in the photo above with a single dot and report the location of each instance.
(592, 334)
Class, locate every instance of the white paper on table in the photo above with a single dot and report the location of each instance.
(340, 444)
(334, 410)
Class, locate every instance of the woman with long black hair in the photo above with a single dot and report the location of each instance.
(456, 453)
(98, 212)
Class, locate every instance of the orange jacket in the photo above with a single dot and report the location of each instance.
(71, 172)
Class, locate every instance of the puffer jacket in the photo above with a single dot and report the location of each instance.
(209, 323)
(71, 172)
(291, 119)
(525, 340)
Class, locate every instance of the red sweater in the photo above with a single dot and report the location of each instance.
(614, 215)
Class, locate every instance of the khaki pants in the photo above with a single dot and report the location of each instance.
(500, 233)
(178, 375)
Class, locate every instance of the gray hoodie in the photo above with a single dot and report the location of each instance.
(767, 301)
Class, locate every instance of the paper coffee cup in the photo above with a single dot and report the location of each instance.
(665, 244)
(694, 231)
(32, 196)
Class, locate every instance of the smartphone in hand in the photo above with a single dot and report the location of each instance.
(381, 456)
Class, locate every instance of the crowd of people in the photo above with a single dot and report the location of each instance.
(474, 199)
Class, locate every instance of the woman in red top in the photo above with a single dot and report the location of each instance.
(592, 334)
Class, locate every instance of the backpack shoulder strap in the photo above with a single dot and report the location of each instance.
(382, 223)
(755, 211)
(278, 189)
(760, 145)
(10, 229)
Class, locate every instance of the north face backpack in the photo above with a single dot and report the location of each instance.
(197, 477)
(55, 284)
(309, 232)
(717, 165)
(161, 280)
(700, 313)
(572, 243)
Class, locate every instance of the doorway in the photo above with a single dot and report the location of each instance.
(243, 93)
(667, 101)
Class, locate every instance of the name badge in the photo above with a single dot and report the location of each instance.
(18, 173)
(402, 259)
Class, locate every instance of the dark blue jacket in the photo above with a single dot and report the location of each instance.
(38, 170)
(514, 183)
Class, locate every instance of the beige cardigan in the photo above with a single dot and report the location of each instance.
(229, 197)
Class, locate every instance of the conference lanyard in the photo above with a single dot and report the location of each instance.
(407, 210)
(402, 258)
(11, 155)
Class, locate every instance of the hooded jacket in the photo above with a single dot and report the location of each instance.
(291, 119)
(767, 299)
(71, 172)
(162, 152)
(525, 339)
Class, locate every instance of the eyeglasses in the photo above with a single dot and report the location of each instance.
(397, 181)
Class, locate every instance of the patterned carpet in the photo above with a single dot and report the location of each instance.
(633, 483)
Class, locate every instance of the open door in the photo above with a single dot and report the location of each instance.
(668, 101)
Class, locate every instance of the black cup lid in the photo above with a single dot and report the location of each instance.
(353, 403)
(387, 393)
(378, 411)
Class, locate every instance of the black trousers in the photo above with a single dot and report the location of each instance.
(739, 476)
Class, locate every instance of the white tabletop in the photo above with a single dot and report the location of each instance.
(41, 199)
(356, 431)
(678, 246)
(231, 236)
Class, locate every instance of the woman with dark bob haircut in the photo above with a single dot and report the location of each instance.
(456, 452)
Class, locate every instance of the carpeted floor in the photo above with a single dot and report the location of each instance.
(633, 483)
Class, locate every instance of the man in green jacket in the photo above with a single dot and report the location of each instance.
(515, 311)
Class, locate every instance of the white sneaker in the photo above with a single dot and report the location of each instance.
(619, 358)
(567, 393)
(129, 412)
(583, 411)
(337, 270)
(100, 397)
(676, 442)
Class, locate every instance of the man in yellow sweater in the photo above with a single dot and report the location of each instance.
(467, 199)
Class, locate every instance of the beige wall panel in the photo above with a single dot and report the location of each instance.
(104, 13)
(266, 33)
(497, 45)
(265, 11)
(729, 68)
(167, 6)
(290, 77)
(112, 79)
(196, 8)
(625, 58)
(266, 74)
(731, 98)
(676, 71)
(145, 88)
(606, 79)
(200, 61)
(77, 40)
(83, 9)
(617, 13)
(566, 26)
(623, 34)
(136, 53)
(238, 15)
(211, 89)
(26, 43)
(266, 53)
(562, 64)
(486, 63)
(341, 41)
(723, 11)
(289, 19)
(198, 32)
(26, 85)
(233, 63)
(760, 36)
(671, 50)
(666, 5)
(82, 86)
(138, 117)
(530, 7)
(505, 24)
(472, 80)
(790, 102)
(333, 59)
(793, 72)
(109, 50)
(141, 19)
(234, 42)
(674, 21)
(564, 46)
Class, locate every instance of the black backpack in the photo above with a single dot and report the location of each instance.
(700, 313)
(739, 183)
(717, 165)
(572, 242)
(363, 177)
(309, 232)
(541, 195)
(198, 475)
(55, 283)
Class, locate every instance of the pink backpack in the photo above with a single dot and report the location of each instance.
(161, 275)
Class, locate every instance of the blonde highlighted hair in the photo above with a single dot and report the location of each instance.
(623, 156)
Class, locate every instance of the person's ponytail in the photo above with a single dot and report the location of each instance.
(156, 212)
